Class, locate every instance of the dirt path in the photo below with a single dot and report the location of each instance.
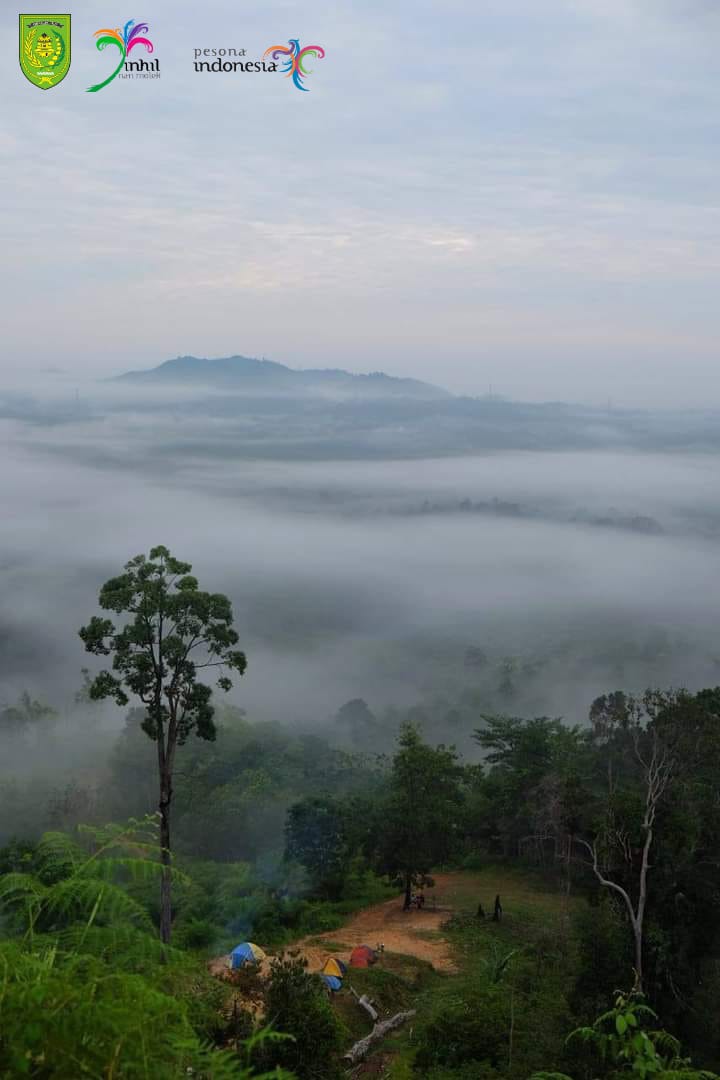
(387, 924)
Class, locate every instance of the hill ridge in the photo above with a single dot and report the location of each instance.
(239, 368)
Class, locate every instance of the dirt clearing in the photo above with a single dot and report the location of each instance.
(411, 933)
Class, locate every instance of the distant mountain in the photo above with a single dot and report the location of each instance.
(262, 409)
(265, 376)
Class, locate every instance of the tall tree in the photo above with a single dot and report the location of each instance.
(358, 721)
(647, 744)
(421, 814)
(25, 716)
(316, 835)
(171, 631)
(524, 756)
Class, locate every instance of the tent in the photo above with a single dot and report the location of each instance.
(247, 953)
(335, 967)
(362, 956)
(332, 983)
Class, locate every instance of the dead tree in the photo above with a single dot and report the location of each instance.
(362, 1048)
(655, 747)
(366, 1004)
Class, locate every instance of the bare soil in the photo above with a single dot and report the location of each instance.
(411, 933)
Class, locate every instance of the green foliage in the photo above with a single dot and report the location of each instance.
(417, 824)
(297, 1005)
(533, 762)
(65, 883)
(25, 717)
(86, 988)
(358, 722)
(622, 1040)
(17, 855)
(70, 1015)
(170, 623)
(601, 930)
(171, 632)
(468, 1026)
(626, 1042)
(317, 836)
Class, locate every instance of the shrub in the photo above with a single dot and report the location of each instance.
(470, 1026)
(194, 934)
(296, 1004)
(70, 1015)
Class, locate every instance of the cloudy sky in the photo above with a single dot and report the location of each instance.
(474, 192)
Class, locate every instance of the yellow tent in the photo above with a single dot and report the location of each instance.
(334, 967)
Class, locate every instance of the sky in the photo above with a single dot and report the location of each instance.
(480, 193)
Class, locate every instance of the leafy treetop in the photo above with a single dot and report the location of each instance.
(174, 630)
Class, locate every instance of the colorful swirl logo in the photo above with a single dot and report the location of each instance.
(294, 59)
(125, 41)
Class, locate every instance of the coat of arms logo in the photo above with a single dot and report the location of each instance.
(45, 49)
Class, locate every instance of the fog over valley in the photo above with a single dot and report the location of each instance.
(356, 573)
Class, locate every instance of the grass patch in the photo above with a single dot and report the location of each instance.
(392, 988)
(513, 977)
(428, 935)
(335, 948)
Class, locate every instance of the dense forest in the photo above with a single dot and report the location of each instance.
(580, 868)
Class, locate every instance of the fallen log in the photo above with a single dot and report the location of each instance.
(366, 1004)
(362, 1048)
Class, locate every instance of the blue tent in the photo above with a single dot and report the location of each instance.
(247, 953)
(332, 982)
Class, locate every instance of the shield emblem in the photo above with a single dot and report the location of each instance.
(45, 49)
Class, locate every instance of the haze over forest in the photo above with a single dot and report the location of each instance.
(369, 531)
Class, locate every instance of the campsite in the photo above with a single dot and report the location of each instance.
(427, 917)
(421, 956)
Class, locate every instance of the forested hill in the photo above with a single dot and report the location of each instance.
(263, 408)
(244, 372)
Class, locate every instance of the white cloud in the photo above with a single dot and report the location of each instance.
(517, 159)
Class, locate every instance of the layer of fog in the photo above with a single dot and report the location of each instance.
(246, 418)
(341, 590)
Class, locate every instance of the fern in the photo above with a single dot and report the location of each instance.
(71, 885)
(126, 948)
(88, 990)
(66, 1015)
(57, 857)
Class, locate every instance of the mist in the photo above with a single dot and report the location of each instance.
(364, 578)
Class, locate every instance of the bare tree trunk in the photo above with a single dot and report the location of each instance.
(658, 764)
(365, 1003)
(408, 890)
(636, 917)
(361, 1049)
(638, 931)
(165, 881)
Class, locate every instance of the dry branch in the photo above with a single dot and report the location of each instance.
(362, 1048)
